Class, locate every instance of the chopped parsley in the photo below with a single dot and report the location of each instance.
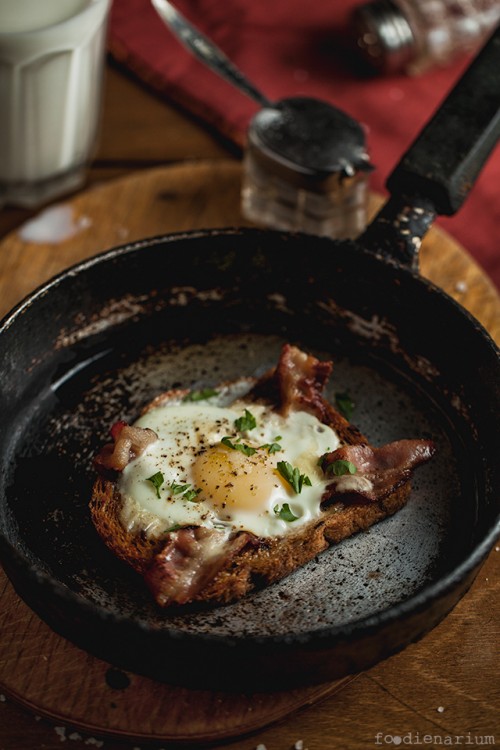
(341, 467)
(175, 527)
(156, 480)
(185, 490)
(178, 489)
(293, 476)
(247, 450)
(191, 495)
(201, 395)
(344, 404)
(285, 513)
(246, 422)
(273, 447)
(322, 460)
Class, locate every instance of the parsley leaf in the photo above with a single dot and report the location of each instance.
(191, 495)
(273, 447)
(247, 450)
(285, 513)
(201, 395)
(293, 476)
(322, 461)
(184, 490)
(178, 489)
(341, 467)
(344, 404)
(157, 481)
(175, 527)
(246, 422)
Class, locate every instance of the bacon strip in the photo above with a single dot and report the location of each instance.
(129, 443)
(297, 379)
(379, 471)
(188, 561)
(301, 379)
(297, 383)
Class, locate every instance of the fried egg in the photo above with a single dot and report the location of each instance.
(226, 463)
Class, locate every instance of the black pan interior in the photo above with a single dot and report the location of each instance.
(194, 311)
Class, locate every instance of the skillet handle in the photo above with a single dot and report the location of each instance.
(438, 170)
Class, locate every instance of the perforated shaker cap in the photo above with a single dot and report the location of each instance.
(384, 35)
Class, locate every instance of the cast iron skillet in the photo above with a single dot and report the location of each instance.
(104, 337)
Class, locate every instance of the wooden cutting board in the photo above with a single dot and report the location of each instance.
(39, 669)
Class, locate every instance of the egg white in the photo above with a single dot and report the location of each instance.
(234, 491)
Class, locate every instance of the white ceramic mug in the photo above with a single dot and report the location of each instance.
(51, 67)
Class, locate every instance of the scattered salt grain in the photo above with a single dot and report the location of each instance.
(461, 286)
(440, 709)
(93, 741)
(53, 225)
(299, 745)
(61, 733)
(261, 747)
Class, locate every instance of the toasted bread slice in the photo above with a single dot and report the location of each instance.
(245, 562)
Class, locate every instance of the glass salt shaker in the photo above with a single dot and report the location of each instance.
(413, 35)
(306, 169)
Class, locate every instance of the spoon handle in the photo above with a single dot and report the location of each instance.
(205, 50)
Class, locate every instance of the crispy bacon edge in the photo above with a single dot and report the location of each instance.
(297, 383)
(191, 558)
(128, 443)
(301, 379)
(382, 470)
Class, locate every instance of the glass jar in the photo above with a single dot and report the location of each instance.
(306, 169)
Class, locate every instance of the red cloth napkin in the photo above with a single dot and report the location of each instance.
(289, 48)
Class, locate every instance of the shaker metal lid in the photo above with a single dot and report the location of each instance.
(308, 138)
(384, 35)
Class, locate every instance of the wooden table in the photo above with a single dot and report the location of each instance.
(447, 685)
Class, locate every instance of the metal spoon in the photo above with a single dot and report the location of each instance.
(205, 50)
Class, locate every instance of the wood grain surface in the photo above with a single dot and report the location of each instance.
(452, 668)
(53, 678)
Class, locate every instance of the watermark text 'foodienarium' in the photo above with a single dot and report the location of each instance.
(434, 740)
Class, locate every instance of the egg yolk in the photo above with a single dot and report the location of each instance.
(231, 480)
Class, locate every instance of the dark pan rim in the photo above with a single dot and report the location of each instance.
(317, 638)
(128, 248)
